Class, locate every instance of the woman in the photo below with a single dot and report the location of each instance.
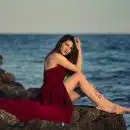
(68, 54)
(64, 82)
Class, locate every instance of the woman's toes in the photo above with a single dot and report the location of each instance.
(119, 110)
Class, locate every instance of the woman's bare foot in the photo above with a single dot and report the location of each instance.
(116, 109)
(122, 110)
(106, 109)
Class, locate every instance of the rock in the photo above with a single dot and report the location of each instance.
(10, 88)
(6, 76)
(7, 117)
(14, 90)
(84, 118)
(34, 92)
(3, 94)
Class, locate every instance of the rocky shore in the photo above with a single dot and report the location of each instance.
(84, 117)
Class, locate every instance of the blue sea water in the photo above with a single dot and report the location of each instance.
(106, 62)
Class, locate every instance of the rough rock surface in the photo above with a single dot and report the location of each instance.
(84, 118)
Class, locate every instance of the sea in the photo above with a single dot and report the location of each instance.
(106, 62)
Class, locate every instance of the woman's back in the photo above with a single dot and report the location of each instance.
(53, 90)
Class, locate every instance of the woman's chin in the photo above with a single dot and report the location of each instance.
(63, 54)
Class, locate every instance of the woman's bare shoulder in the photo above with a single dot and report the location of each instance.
(54, 58)
(50, 61)
(54, 55)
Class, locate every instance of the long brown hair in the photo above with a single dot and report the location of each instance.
(72, 56)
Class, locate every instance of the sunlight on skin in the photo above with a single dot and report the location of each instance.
(98, 94)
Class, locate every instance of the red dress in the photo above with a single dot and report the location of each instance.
(53, 104)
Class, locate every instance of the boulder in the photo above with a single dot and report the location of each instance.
(84, 118)
(13, 90)
(10, 88)
(6, 76)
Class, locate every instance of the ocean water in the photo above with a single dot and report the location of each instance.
(106, 62)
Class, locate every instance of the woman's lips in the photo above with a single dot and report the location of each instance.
(66, 52)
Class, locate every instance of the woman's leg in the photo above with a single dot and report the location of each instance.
(101, 102)
(74, 95)
(86, 87)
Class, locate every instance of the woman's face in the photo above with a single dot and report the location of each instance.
(66, 47)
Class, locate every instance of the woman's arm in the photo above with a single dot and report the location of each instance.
(79, 59)
(61, 60)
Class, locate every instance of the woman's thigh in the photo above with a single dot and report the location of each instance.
(71, 82)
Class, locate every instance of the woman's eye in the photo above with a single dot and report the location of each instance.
(66, 44)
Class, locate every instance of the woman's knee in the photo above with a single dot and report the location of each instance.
(80, 75)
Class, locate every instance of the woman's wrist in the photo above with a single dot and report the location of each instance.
(79, 50)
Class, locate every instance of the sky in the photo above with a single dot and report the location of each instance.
(64, 16)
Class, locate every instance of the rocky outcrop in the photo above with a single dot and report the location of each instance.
(84, 117)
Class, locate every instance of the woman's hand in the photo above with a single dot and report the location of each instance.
(78, 43)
